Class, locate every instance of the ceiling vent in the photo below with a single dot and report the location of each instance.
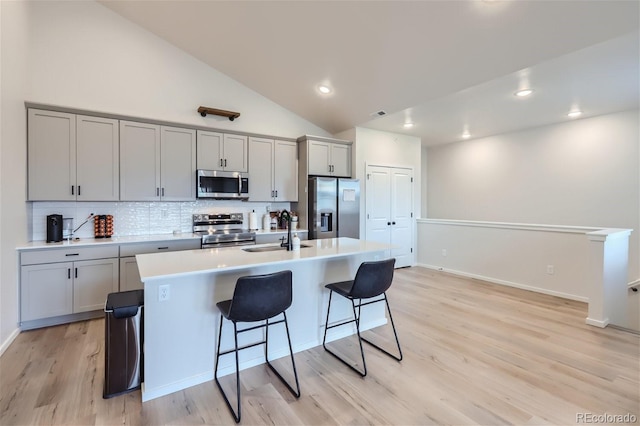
(378, 113)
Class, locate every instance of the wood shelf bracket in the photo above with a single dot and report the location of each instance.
(231, 115)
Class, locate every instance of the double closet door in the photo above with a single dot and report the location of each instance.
(389, 215)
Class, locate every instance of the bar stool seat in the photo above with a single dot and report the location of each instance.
(256, 298)
(372, 280)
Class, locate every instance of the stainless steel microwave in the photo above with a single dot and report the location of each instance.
(223, 185)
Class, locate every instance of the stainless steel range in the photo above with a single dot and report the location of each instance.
(222, 230)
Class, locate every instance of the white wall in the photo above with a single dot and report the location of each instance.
(374, 147)
(578, 173)
(13, 209)
(82, 55)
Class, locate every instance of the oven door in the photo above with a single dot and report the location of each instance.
(228, 239)
(222, 185)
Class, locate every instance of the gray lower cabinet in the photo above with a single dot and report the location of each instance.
(59, 282)
(129, 275)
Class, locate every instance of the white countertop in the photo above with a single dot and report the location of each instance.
(130, 239)
(161, 265)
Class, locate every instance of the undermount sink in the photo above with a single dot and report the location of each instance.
(270, 248)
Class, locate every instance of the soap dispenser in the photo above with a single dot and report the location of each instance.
(295, 242)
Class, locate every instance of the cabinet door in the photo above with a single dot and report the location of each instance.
(46, 291)
(341, 160)
(51, 155)
(285, 171)
(235, 153)
(97, 159)
(209, 150)
(139, 161)
(129, 274)
(260, 169)
(93, 280)
(319, 158)
(178, 164)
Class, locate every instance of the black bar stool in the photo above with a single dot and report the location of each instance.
(373, 279)
(257, 298)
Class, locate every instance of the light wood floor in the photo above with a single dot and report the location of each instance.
(475, 353)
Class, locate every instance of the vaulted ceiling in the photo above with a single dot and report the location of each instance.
(445, 66)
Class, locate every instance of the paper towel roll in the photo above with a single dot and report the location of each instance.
(253, 221)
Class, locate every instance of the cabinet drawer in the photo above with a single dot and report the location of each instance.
(158, 247)
(67, 254)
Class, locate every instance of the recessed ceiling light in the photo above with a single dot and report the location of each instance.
(324, 89)
(574, 114)
(408, 125)
(523, 93)
(466, 135)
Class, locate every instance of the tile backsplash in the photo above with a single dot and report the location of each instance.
(140, 218)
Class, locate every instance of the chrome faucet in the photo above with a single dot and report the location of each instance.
(289, 243)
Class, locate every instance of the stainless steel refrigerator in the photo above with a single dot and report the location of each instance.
(334, 208)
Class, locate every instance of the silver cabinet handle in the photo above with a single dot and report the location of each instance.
(78, 189)
(221, 162)
(157, 192)
(72, 193)
(225, 162)
(163, 191)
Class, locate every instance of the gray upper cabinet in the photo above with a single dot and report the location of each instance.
(72, 157)
(157, 163)
(139, 161)
(273, 170)
(329, 159)
(222, 151)
(177, 164)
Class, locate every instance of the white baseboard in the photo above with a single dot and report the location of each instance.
(597, 323)
(5, 345)
(509, 283)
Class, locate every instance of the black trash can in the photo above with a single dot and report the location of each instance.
(123, 335)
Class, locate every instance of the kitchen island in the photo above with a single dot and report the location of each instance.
(180, 331)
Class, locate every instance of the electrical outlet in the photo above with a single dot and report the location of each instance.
(164, 214)
(444, 252)
(268, 208)
(163, 293)
(550, 269)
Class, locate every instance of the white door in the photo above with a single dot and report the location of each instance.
(389, 216)
(378, 204)
(402, 216)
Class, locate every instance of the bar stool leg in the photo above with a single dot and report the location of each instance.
(236, 417)
(295, 392)
(357, 321)
(395, 334)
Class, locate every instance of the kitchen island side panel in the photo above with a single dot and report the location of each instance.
(181, 332)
